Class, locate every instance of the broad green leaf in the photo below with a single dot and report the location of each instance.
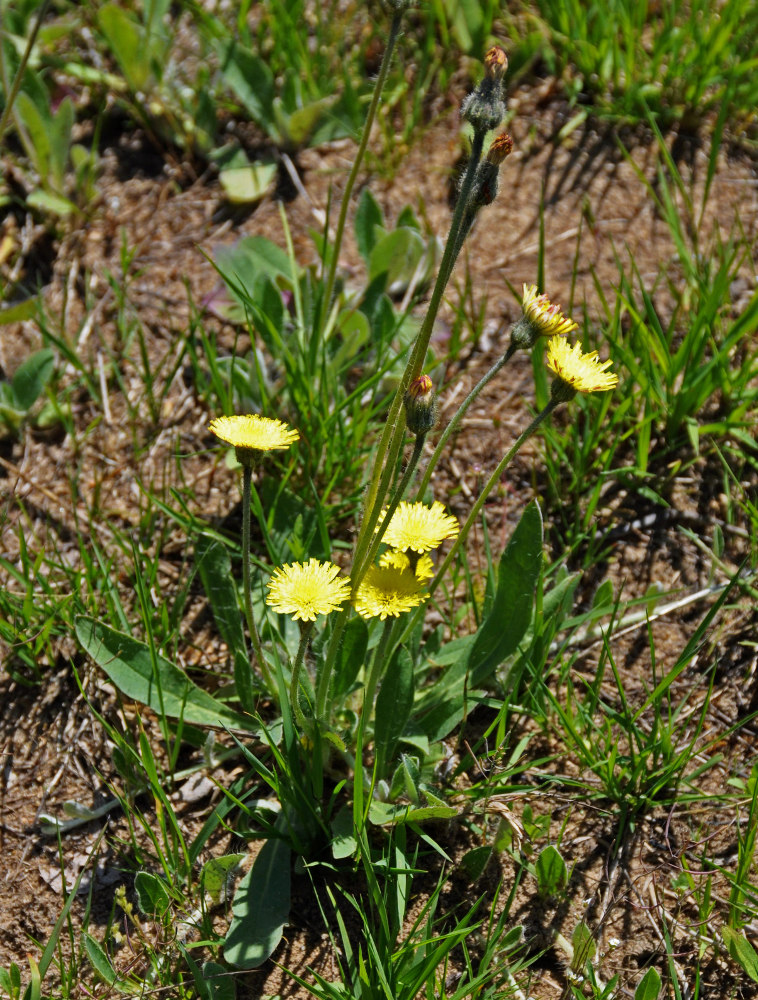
(31, 377)
(397, 255)
(37, 127)
(215, 569)
(251, 80)
(152, 895)
(244, 265)
(99, 960)
(261, 908)
(48, 201)
(511, 613)
(368, 216)
(166, 689)
(244, 184)
(475, 861)
(18, 312)
(125, 39)
(217, 873)
(344, 841)
(220, 982)
(297, 128)
(393, 707)
(384, 813)
(649, 987)
(743, 953)
(60, 141)
(551, 871)
(351, 656)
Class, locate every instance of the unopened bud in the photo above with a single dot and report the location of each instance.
(496, 62)
(502, 146)
(420, 405)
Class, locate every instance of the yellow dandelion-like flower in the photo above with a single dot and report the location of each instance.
(418, 527)
(545, 317)
(576, 371)
(424, 568)
(251, 432)
(305, 590)
(387, 590)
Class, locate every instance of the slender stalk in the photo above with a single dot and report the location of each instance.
(295, 681)
(392, 435)
(353, 175)
(490, 484)
(459, 416)
(247, 481)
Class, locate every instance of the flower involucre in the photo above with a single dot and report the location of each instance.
(387, 590)
(253, 432)
(580, 372)
(305, 590)
(424, 568)
(418, 527)
(546, 317)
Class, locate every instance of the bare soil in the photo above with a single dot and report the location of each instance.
(53, 747)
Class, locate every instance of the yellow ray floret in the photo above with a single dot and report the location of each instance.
(546, 317)
(305, 590)
(581, 372)
(254, 432)
(418, 527)
(388, 591)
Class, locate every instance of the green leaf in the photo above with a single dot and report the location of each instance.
(244, 182)
(37, 126)
(162, 686)
(475, 861)
(297, 128)
(216, 874)
(551, 871)
(125, 39)
(368, 216)
(220, 982)
(152, 896)
(584, 946)
(511, 613)
(215, 569)
(99, 960)
(743, 953)
(384, 813)
(48, 201)
(351, 655)
(397, 255)
(393, 707)
(19, 312)
(261, 908)
(31, 377)
(649, 986)
(344, 841)
(251, 80)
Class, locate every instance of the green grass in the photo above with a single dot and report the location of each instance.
(480, 820)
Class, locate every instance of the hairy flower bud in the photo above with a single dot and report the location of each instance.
(420, 405)
(502, 146)
(496, 62)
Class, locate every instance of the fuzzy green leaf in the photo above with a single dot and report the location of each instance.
(393, 708)
(743, 953)
(162, 686)
(261, 908)
(649, 986)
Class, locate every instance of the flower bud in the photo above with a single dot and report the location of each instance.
(502, 146)
(420, 405)
(496, 62)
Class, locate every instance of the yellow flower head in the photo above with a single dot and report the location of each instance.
(252, 432)
(578, 372)
(543, 315)
(418, 527)
(387, 590)
(424, 568)
(305, 590)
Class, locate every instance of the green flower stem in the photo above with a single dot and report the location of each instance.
(369, 692)
(398, 495)
(381, 79)
(491, 482)
(247, 482)
(459, 416)
(295, 682)
(392, 436)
